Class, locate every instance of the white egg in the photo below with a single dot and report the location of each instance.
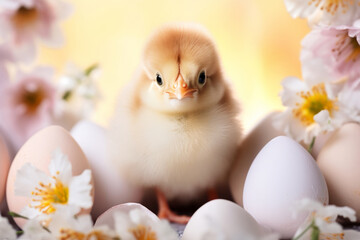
(263, 132)
(4, 167)
(282, 174)
(107, 218)
(222, 219)
(110, 187)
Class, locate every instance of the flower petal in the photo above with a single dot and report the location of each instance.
(123, 224)
(28, 178)
(326, 227)
(165, 231)
(323, 118)
(351, 235)
(334, 211)
(324, 12)
(299, 8)
(80, 189)
(30, 212)
(291, 85)
(60, 166)
(34, 230)
(6, 230)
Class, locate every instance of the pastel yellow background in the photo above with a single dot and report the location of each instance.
(258, 41)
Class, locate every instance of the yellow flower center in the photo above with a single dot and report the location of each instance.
(331, 236)
(143, 233)
(69, 234)
(47, 195)
(25, 17)
(332, 6)
(314, 101)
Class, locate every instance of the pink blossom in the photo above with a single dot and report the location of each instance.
(325, 12)
(4, 56)
(4, 76)
(27, 105)
(332, 53)
(9, 54)
(22, 22)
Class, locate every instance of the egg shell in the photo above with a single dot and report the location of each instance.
(4, 166)
(254, 141)
(38, 151)
(282, 174)
(339, 161)
(225, 218)
(92, 139)
(107, 218)
(319, 143)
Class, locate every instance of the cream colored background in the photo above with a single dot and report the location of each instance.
(258, 42)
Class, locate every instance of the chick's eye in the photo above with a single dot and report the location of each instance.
(159, 80)
(202, 78)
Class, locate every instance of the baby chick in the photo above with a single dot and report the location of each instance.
(176, 127)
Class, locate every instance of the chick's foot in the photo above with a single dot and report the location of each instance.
(212, 194)
(165, 211)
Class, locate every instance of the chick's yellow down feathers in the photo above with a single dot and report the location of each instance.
(176, 125)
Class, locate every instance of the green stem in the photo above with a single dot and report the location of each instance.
(66, 95)
(16, 215)
(315, 234)
(91, 68)
(311, 146)
(303, 232)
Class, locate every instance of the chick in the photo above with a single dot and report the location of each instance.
(176, 126)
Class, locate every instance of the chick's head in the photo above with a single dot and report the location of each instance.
(181, 70)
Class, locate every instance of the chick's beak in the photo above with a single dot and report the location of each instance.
(180, 89)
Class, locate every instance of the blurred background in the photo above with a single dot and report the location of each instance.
(258, 41)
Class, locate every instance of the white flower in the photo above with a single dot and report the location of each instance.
(6, 230)
(137, 225)
(64, 225)
(345, 235)
(22, 22)
(312, 108)
(351, 96)
(323, 219)
(57, 191)
(325, 12)
(78, 89)
(34, 230)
